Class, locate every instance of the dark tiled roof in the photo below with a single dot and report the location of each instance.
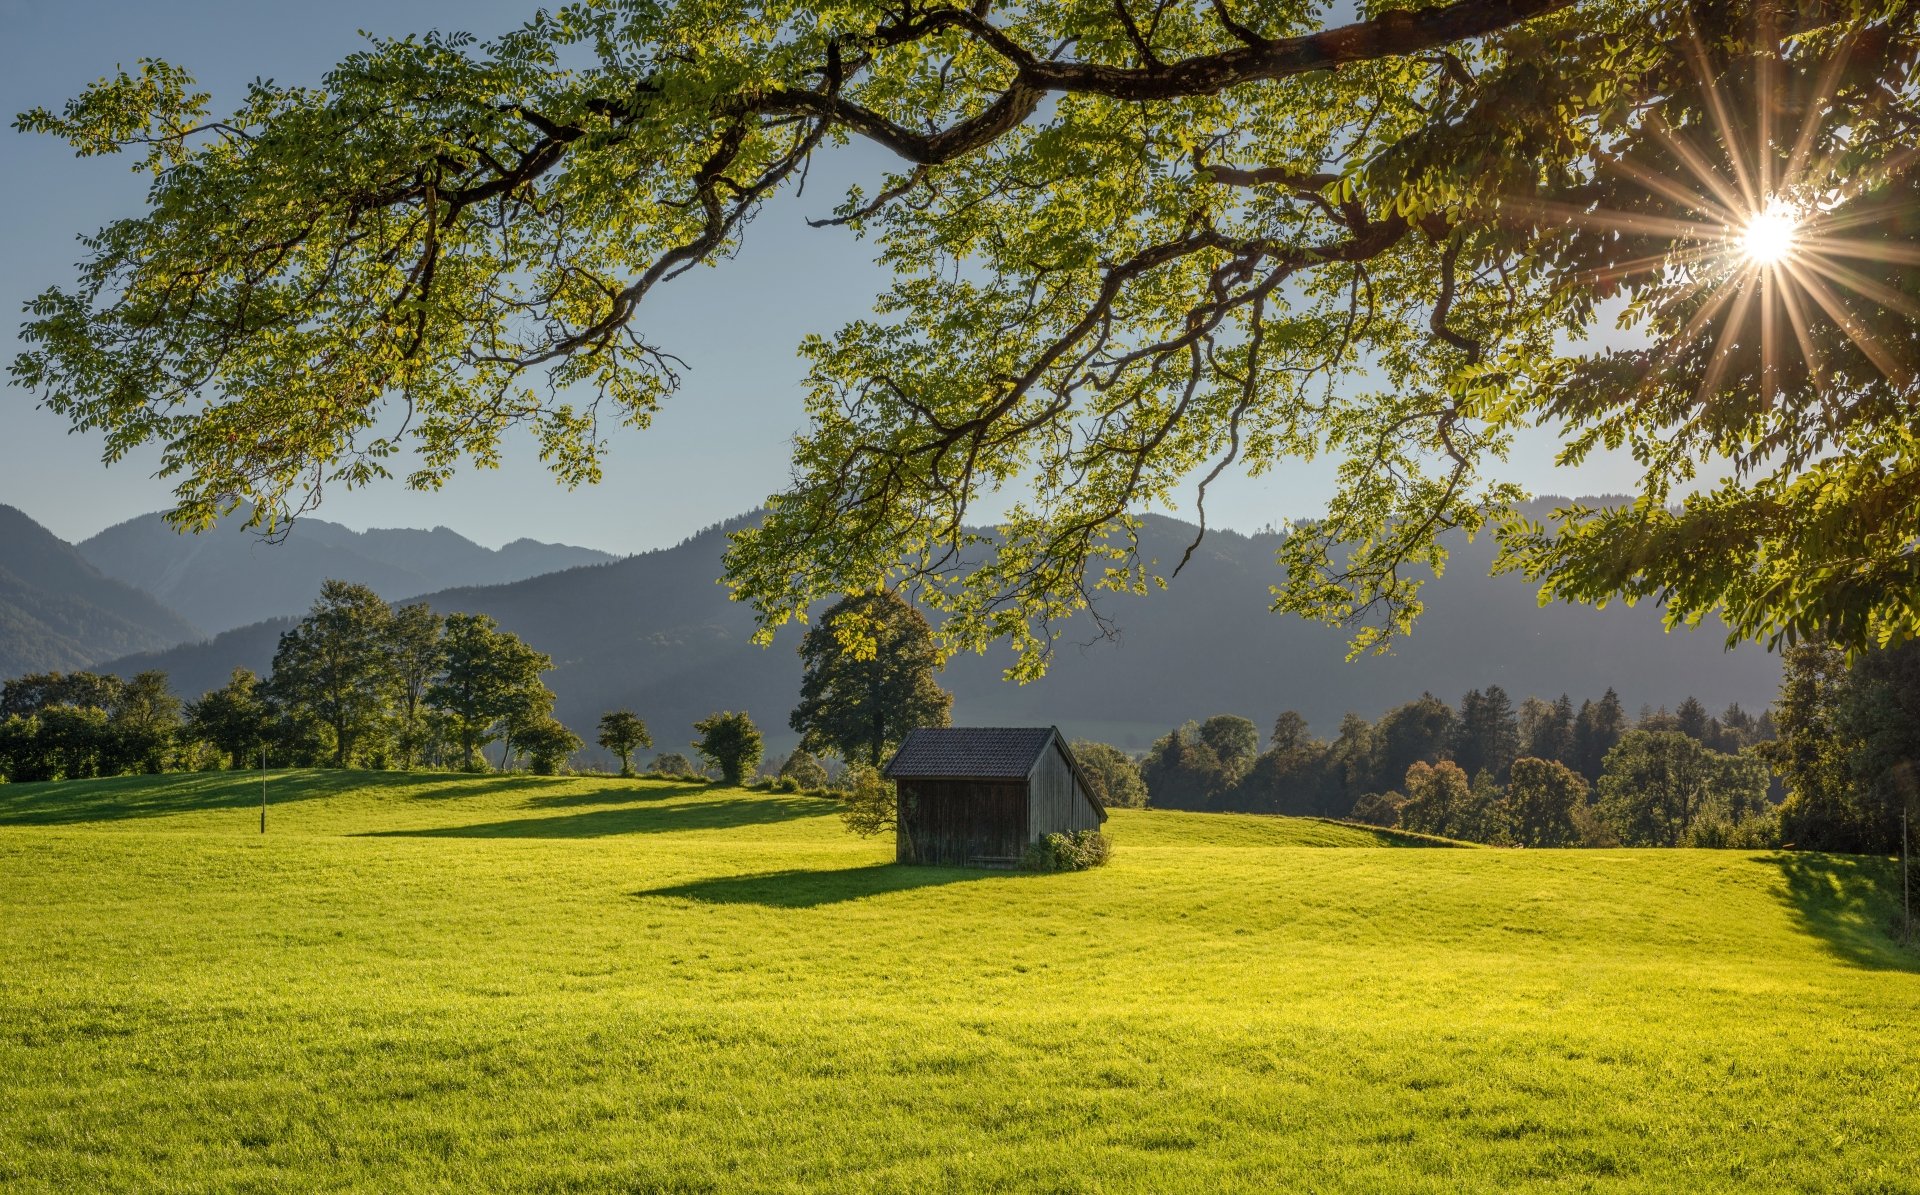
(993, 752)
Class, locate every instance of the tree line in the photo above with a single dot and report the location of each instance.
(1832, 766)
(357, 682)
(1541, 773)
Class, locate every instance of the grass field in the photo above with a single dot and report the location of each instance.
(518, 984)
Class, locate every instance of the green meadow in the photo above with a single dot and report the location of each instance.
(555, 985)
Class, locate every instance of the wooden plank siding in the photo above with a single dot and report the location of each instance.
(1057, 803)
(957, 823)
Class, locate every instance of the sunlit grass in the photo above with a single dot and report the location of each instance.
(601, 985)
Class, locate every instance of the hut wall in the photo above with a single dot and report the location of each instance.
(955, 823)
(1059, 804)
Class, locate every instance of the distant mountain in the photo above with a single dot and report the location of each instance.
(57, 612)
(654, 632)
(230, 577)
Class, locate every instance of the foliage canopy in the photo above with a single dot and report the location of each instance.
(1135, 245)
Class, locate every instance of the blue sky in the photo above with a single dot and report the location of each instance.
(718, 448)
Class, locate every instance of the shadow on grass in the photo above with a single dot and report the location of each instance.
(1851, 903)
(121, 798)
(803, 889)
(720, 813)
(610, 792)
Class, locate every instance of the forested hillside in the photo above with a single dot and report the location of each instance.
(58, 612)
(230, 577)
(656, 633)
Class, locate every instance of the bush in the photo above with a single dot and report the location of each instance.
(671, 765)
(1754, 833)
(867, 802)
(1075, 851)
(803, 771)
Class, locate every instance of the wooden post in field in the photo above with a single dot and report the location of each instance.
(1906, 884)
(263, 788)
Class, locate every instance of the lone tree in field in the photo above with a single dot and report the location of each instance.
(869, 678)
(335, 668)
(622, 732)
(1136, 245)
(731, 742)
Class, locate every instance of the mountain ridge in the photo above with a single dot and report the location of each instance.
(228, 577)
(654, 633)
(58, 612)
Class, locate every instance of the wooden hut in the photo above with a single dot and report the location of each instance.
(977, 796)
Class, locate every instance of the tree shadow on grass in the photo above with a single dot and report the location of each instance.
(122, 798)
(720, 813)
(805, 889)
(1851, 903)
(608, 792)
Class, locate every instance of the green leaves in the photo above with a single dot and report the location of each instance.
(155, 108)
(1133, 249)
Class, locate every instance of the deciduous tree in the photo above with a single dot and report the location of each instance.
(804, 770)
(869, 678)
(1113, 777)
(731, 742)
(547, 744)
(489, 679)
(144, 718)
(235, 719)
(1439, 799)
(25, 695)
(414, 647)
(1657, 783)
(1538, 806)
(1235, 742)
(622, 732)
(1135, 246)
(336, 667)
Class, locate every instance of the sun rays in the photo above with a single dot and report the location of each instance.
(1775, 231)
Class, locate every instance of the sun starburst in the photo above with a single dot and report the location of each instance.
(1769, 235)
(1762, 234)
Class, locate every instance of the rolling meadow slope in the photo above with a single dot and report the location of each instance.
(577, 984)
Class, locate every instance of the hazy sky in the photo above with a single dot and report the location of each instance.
(718, 448)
